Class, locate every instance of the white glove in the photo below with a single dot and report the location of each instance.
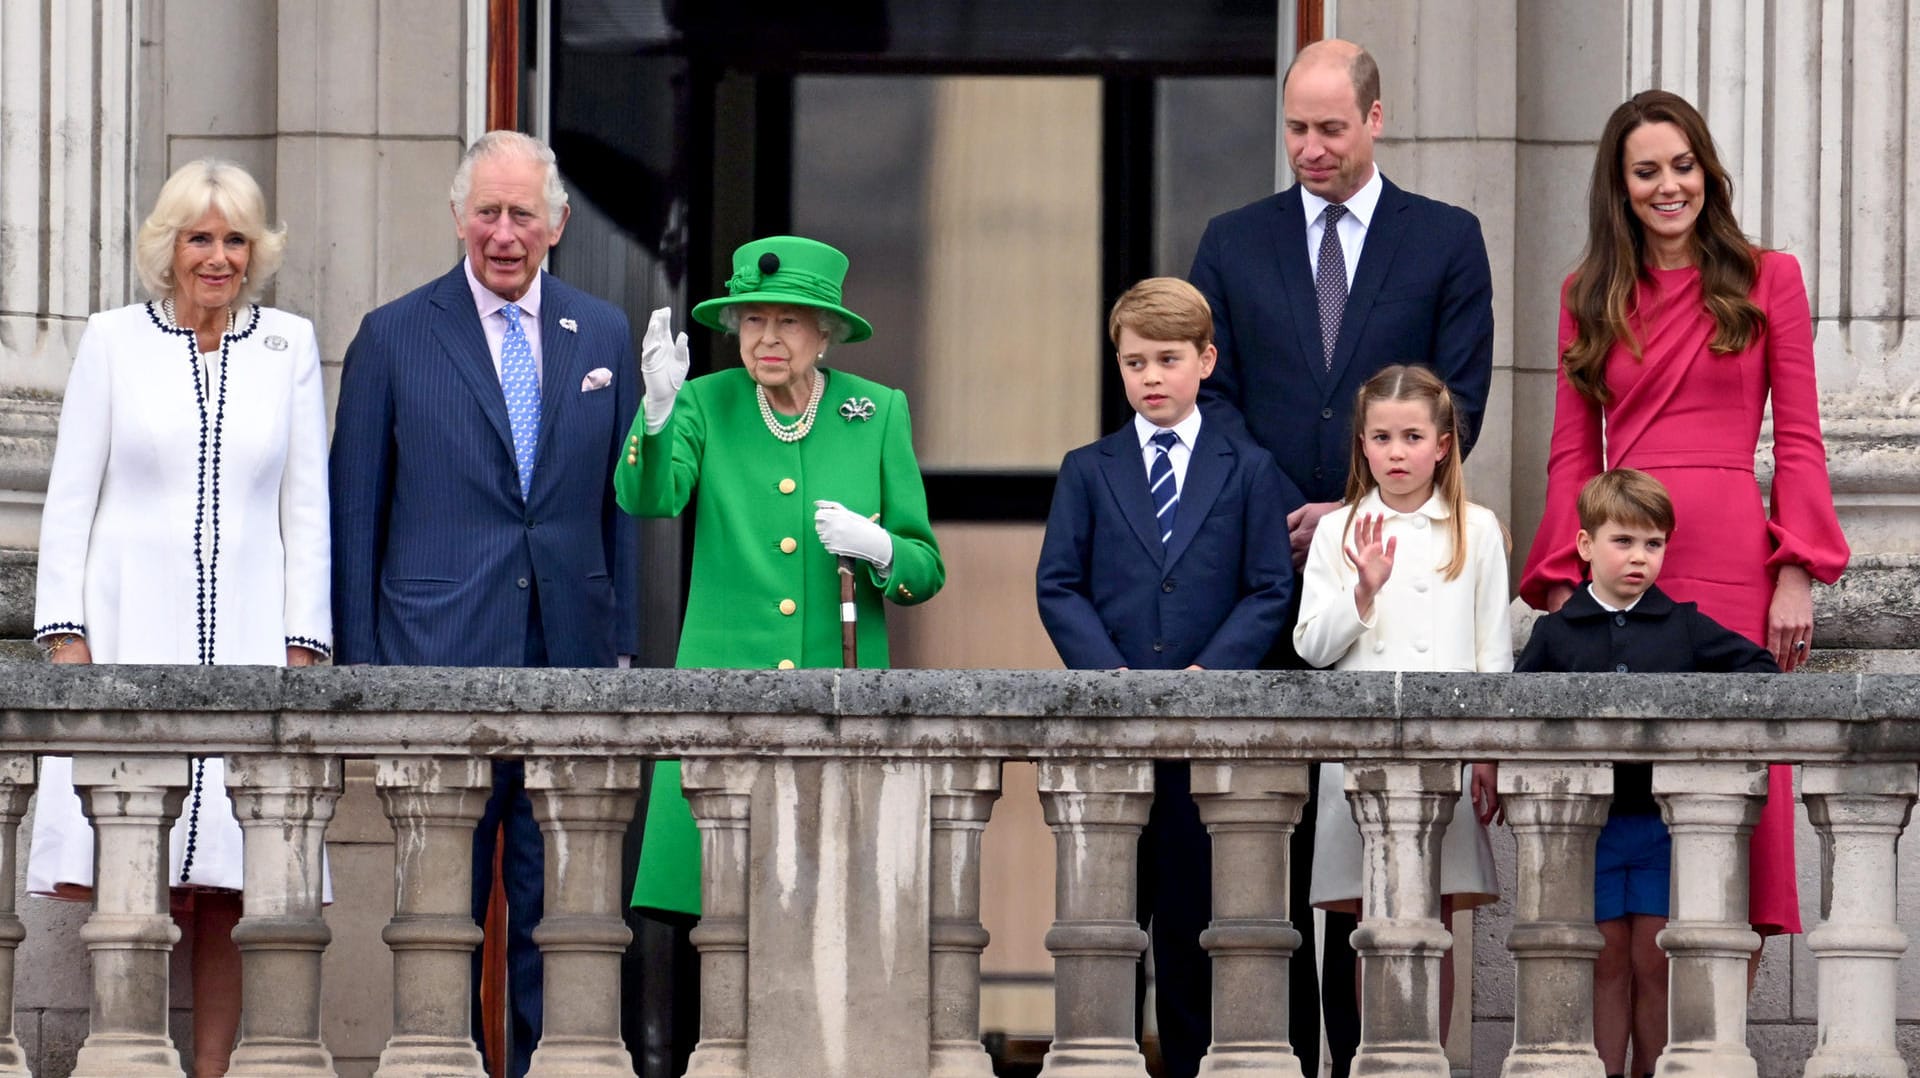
(663, 367)
(848, 534)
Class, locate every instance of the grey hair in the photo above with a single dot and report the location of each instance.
(835, 327)
(193, 189)
(503, 143)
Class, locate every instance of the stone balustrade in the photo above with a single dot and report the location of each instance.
(841, 814)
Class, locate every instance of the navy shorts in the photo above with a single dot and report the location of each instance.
(1632, 870)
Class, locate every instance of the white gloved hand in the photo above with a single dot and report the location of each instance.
(848, 534)
(663, 367)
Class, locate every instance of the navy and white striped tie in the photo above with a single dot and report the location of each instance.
(1166, 492)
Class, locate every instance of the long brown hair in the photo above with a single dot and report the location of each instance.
(1601, 294)
(1410, 382)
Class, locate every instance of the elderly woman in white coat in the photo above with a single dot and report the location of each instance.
(186, 522)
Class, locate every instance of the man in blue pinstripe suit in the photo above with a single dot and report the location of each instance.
(480, 419)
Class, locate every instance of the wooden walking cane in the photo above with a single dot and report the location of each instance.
(849, 620)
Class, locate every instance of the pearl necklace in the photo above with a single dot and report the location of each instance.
(800, 429)
(166, 308)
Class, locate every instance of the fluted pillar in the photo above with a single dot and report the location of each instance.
(720, 792)
(1556, 812)
(284, 804)
(1250, 810)
(1096, 811)
(1403, 810)
(1860, 811)
(584, 806)
(16, 786)
(962, 796)
(1710, 809)
(132, 801)
(434, 803)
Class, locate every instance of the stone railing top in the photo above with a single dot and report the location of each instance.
(1007, 713)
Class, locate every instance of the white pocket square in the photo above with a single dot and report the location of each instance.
(597, 378)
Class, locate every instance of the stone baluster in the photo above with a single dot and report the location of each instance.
(1556, 812)
(132, 801)
(284, 804)
(1860, 811)
(720, 792)
(434, 803)
(584, 806)
(1710, 809)
(963, 793)
(1096, 811)
(1250, 810)
(16, 785)
(1403, 810)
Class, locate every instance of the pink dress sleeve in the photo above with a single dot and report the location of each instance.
(1805, 528)
(1573, 458)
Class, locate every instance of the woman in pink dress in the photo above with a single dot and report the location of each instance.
(1674, 331)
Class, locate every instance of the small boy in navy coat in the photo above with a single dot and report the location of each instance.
(1166, 549)
(1621, 621)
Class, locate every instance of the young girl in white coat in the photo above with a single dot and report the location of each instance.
(1407, 575)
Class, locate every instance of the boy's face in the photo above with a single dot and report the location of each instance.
(1162, 377)
(1626, 560)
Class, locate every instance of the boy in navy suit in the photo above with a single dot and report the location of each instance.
(1621, 621)
(1165, 550)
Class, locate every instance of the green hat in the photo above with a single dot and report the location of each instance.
(786, 269)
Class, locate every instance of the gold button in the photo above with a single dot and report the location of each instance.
(788, 546)
(904, 593)
(632, 459)
(633, 439)
(785, 664)
(788, 486)
(788, 606)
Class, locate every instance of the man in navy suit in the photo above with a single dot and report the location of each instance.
(1164, 551)
(1313, 291)
(480, 419)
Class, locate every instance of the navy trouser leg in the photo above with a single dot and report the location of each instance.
(523, 874)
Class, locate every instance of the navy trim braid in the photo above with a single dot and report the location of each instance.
(310, 644)
(59, 627)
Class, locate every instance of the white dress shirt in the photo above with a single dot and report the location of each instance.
(1353, 227)
(1186, 430)
(494, 323)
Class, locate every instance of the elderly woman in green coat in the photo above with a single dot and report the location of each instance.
(776, 449)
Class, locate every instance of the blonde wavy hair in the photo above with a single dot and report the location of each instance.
(193, 189)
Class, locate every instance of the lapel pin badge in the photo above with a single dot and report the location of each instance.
(861, 408)
(276, 342)
(569, 325)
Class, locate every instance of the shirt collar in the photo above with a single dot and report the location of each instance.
(1610, 608)
(1186, 430)
(1434, 508)
(487, 302)
(1361, 205)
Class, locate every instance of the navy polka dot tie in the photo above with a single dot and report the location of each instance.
(1330, 281)
(1166, 492)
(520, 381)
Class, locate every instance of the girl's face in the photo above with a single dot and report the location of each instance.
(1403, 447)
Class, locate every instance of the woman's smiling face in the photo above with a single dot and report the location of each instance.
(1666, 187)
(780, 343)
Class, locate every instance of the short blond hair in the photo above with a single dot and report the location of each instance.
(1163, 309)
(1624, 496)
(193, 189)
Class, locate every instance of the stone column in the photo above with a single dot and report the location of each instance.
(284, 804)
(132, 801)
(1403, 810)
(16, 786)
(1711, 810)
(1096, 811)
(1250, 810)
(720, 792)
(963, 793)
(1860, 811)
(584, 806)
(1556, 812)
(434, 803)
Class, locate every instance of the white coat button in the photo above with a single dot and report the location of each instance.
(1379, 646)
(1419, 521)
(1420, 645)
(1420, 585)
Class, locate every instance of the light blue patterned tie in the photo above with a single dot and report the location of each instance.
(1160, 481)
(520, 380)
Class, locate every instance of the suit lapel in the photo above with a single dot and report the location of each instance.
(1126, 475)
(1296, 284)
(456, 325)
(1207, 468)
(558, 355)
(1376, 255)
